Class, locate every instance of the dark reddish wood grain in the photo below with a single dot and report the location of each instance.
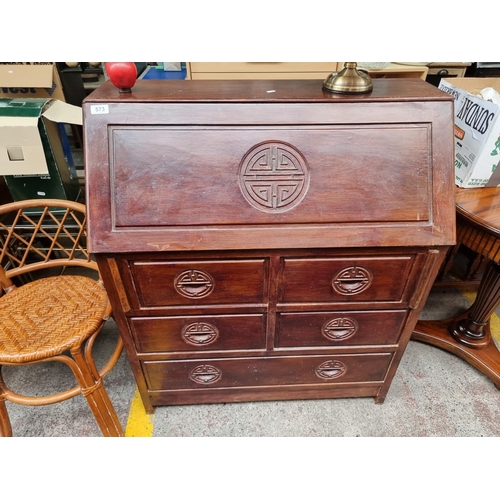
(230, 332)
(210, 91)
(468, 335)
(251, 372)
(367, 328)
(311, 280)
(233, 281)
(482, 205)
(169, 178)
(245, 229)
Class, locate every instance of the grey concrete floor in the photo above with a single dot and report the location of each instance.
(434, 393)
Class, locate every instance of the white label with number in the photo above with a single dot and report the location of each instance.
(99, 109)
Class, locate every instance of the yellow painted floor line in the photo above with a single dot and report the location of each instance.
(139, 423)
(494, 321)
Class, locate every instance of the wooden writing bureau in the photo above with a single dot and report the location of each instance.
(264, 240)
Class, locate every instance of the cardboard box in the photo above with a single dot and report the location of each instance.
(172, 66)
(477, 132)
(40, 80)
(32, 156)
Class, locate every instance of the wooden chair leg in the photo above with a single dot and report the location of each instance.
(97, 397)
(5, 427)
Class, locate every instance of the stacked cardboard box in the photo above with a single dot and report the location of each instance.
(33, 114)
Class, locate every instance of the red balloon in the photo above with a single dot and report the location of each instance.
(122, 74)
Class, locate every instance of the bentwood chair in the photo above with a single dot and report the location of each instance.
(48, 313)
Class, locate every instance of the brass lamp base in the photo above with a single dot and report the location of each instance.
(349, 81)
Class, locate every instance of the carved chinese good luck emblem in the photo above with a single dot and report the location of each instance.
(194, 284)
(273, 177)
(340, 328)
(352, 280)
(331, 369)
(199, 333)
(205, 374)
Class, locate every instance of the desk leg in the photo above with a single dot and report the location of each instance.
(468, 335)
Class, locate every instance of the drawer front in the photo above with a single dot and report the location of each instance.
(232, 166)
(251, 372)
(160, 283)
(199, 333)
(280, 75)
(447, 71)
(339, 328)
(342, 280)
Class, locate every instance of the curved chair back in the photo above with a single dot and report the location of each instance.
(40, 234)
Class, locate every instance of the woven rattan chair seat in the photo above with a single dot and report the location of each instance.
(47, 317)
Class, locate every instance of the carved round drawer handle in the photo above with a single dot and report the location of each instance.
(199, 333)
(340, 328)
(352, 280)
(205, 374)
(331, 369)
(194, 284)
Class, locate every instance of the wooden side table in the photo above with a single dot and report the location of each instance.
(468, 335)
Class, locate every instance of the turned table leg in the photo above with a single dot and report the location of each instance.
(468, 335)
(473, 331)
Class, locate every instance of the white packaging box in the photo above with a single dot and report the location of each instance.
(477, 132)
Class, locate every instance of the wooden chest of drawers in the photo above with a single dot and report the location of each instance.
(267, 240)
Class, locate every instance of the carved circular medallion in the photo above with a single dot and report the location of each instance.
(199, 333)
(194, 284)
(340, 328)
(331, 369)
(273, 177)
(352, 280)
(205, 374)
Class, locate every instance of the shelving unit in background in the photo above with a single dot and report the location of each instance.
(290, 70)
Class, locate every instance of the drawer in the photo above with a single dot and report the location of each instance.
(341, 279)
(339, 328)
(199, 333)
(279, 75)
(447, 71)
(160, 283)
(250, 372)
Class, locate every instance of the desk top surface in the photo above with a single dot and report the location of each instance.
(253, 91)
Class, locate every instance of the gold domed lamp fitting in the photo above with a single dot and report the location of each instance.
(349, 81)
